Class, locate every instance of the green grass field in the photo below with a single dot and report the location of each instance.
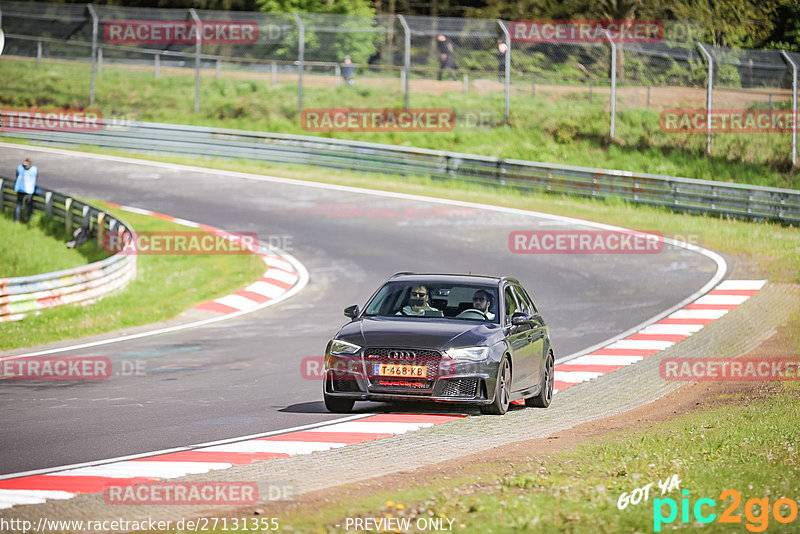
(164, 286)
(39, 247)
(571, 130)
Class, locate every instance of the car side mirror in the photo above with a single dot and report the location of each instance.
(520, 319)
(351, 311)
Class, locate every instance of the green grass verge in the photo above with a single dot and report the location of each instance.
(164, 287)
(752, 449)
(571, 130)
(31, 248)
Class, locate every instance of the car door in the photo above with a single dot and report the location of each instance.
(536, 334)
(518, 339)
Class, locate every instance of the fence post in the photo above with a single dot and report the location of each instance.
(48, 204)
(648, 96)
(301, 49)
(507, 81)
(406, 56)
(466, 83)
(101, 217)
(274, 73)
(794, 105)
(197, 51)
(90, 8)
(337, 72)
(100, 60)
(87, 216)
(156, 65)
(219, 69)
(2, 197)
(709, 93)
(613, 83)
(38, 53)
(68, 216)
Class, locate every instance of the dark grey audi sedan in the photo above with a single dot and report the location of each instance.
(460, 339)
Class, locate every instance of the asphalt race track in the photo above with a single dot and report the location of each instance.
(243, 376)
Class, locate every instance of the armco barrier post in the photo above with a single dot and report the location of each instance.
(709, 93)
(48, 204)
(794, 105)
(68, 216)
(101, 218)
(87, 216)
(2, 197)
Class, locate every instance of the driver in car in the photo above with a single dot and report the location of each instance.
(481, 301)
(418, 303)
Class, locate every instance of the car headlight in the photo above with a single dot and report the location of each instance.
(472, 354)
(343, 347)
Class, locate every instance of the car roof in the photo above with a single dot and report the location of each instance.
(438, 278)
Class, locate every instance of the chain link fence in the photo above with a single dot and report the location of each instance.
(398, 58)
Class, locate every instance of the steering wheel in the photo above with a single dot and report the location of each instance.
(474, 311)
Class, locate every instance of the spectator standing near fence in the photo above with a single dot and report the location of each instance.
(349, 71)
(25, 187)
(501, 59)
(446, 59)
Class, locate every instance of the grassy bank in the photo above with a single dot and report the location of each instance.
(39, 247)
(164, 287)
(568, 129)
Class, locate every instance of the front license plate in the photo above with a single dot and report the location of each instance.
(407, 371)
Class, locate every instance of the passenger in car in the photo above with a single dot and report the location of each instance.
(418, 304)
(482, 300)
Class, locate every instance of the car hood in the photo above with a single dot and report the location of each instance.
(439, 334)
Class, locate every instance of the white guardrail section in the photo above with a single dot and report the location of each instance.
(678, 194)
(23, 295)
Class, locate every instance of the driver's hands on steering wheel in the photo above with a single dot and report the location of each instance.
(474, 310)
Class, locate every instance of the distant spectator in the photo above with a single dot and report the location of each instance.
(501, 59)
(25, 187)
(446, 59)
(348, 72)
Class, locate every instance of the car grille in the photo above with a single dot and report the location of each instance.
(429, 358)
(458, 387)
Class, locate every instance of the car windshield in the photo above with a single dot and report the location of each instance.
(419, 300)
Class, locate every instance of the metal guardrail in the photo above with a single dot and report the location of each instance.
(22, 295)
(677, 194)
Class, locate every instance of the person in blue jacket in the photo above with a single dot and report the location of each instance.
(25, 187)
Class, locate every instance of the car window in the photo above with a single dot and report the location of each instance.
(451, 301)
(511, 303)
(524, 300)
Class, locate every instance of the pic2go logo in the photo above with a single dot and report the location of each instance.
(756, 511)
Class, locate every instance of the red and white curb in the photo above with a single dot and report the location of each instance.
(279, 277)
(68, 481)
(658, 336)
